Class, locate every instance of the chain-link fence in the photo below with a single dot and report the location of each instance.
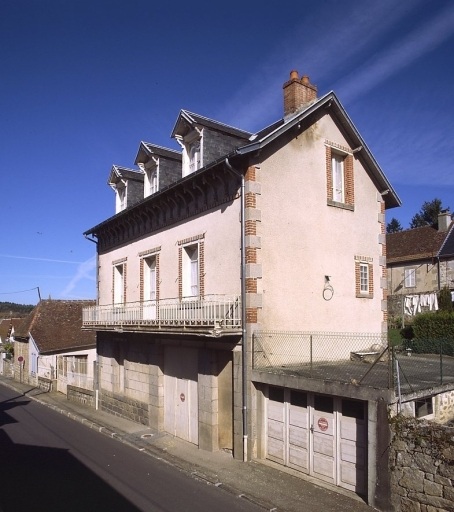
(355, 358)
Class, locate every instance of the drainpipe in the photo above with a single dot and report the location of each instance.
(243, 308)
(96, 374)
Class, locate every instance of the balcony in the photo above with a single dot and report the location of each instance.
(212, 315)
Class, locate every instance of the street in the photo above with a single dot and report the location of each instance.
(50, 462)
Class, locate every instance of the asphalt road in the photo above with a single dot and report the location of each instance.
(49, 462)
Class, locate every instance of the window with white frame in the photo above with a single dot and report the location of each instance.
(151, 180)
(410, 277)
(190, 270)
(338, 177)
(192, 152)
(120, 193)
(149, 278)
(364, 278)
(119, 284)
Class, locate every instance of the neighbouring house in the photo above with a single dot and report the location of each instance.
(240, 295)
(52, 350)
(7, 327)
(420, 263)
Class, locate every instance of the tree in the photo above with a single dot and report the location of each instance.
(428, 214)
(393, 226)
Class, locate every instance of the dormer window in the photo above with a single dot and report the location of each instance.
(151, 182)
(120, 192)
(192, 152)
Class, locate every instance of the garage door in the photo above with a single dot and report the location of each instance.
(320, 435)
(180, 393)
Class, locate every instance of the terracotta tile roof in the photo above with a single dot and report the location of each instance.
(414, 244)
(56, 325)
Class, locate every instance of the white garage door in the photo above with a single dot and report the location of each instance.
(320, 435)
(180, 393)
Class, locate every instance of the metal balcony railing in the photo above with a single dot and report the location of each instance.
(219, 312)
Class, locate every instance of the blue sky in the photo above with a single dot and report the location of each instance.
(83, 82)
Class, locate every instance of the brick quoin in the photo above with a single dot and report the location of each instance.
(251, 315)
(251, 285)
(250, 227)
(251, 255)
(251, 174)
(250, 200)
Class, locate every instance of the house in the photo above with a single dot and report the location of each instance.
(51, 349)
(249, 259)
(7, 327)
(420, 263)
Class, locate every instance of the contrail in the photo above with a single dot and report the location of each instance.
(39, 259)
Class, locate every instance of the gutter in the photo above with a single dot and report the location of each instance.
(243, 309)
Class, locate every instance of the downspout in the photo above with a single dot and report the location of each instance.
(96, 374)
(244, 351)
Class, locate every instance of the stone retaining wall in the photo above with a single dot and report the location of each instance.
(81, 396)
(421, 466)
(124, 407)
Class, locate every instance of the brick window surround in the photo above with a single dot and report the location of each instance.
(348, 176)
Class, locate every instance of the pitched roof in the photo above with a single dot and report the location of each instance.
(56, 325)
(418, 244)
(147, 149)
(190, 119)
(362, 152)
(118, 172)
(255, 142)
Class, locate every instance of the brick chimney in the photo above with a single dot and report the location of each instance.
(298, 93)
(444, 220)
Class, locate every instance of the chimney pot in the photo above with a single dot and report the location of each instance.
(298, 93)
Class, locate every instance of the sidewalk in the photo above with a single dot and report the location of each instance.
(261, 482)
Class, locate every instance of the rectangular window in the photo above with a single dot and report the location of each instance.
(410, 277)
(364, 277)
(339, 176)
(119, 284)
(364, 282)
(149, 283)
(191, 271)
(337, 165)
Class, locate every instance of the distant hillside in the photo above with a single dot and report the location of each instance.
(12, 309)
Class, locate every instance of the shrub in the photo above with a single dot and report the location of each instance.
(433, 332)
(445, 299)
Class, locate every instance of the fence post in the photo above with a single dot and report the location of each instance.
(310, 351)
(391, 367)
(441, 361)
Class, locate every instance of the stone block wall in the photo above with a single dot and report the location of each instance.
(81, 396)
(128, 408)
(421, 466)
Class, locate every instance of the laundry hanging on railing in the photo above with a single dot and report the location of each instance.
(414, 303)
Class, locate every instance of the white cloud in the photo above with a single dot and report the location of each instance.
(422, 40)
(85, 271)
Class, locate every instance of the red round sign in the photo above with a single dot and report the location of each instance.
(20, 359)
(323, 424)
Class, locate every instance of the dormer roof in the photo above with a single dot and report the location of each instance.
(119, 173)
(147, 150)
(188, 121)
